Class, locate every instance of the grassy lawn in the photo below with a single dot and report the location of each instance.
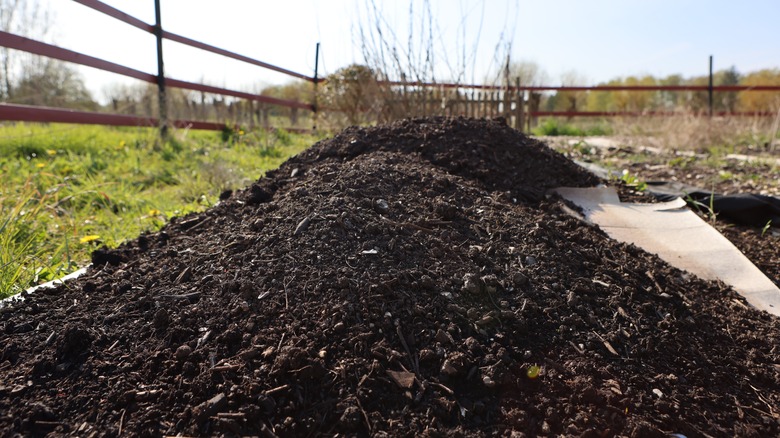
(66, 189)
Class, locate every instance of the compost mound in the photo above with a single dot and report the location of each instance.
(404, 280)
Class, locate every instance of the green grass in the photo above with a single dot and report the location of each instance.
(66, 189)
(555, 127)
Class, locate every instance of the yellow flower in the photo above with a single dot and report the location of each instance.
(40, 165)
(240, 132)
(90, 238)
(51, 152)
(122, 144)
(154, 212)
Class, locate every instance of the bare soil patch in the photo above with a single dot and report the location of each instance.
(410, 279)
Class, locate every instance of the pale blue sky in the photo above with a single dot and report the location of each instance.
(599, 39)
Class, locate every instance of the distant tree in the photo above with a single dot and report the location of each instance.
(696, 101)
(603, 100)
(569, 100)
(669, 100)
(727, 100)
(31, 79)
(637, 101)
(299, 91)
(28, 19)
(56, 85)
(353, 92)
(529, 73)
(760, 100)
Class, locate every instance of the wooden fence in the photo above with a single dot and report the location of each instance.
(520, 105)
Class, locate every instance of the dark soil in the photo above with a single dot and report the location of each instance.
(409, 280)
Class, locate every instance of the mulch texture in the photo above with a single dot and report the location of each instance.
(404, 280)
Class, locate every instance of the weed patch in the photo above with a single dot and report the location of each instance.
(60, 186)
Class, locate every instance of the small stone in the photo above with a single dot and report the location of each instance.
(520, 279)
(443, 337)
(472, 284)
(339, 327)
(182, 352)
(448, 368)
(427, 355)
(486, 321)
(381, 206)
(161, 319)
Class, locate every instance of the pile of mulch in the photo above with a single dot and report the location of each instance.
(410, 279)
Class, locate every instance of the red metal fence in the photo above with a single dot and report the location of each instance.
(510, 101)
(42, 114)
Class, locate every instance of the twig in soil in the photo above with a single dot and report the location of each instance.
(286, 301)
(186, 225)
(121, 422)
(407, 225)
(273, 391)
(658, 286)
(49, 424)
(406, 347)
(765, 401)
(222, 368)
(365, 416)
(442, 387)
(576, 347)
(181, 297)
(182, 275)
(607, 344)
(113, 345)
(233, 415)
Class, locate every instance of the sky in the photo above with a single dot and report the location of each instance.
(597, 39)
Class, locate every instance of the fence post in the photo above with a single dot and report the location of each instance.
(316, 81)
(520, 110)
(163, 105)
(709, 88)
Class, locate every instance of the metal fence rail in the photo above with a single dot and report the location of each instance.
(517, 102)
(45, 114)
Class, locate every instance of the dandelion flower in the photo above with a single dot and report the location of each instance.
(89, 238)
(40, 165)
(51, 152)
(154, 212)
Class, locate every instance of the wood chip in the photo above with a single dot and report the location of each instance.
(610, 348)
(211, 406)
(403, 379)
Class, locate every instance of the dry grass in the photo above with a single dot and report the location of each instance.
(701, 133)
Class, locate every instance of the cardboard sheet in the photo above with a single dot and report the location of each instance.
(679, 237)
